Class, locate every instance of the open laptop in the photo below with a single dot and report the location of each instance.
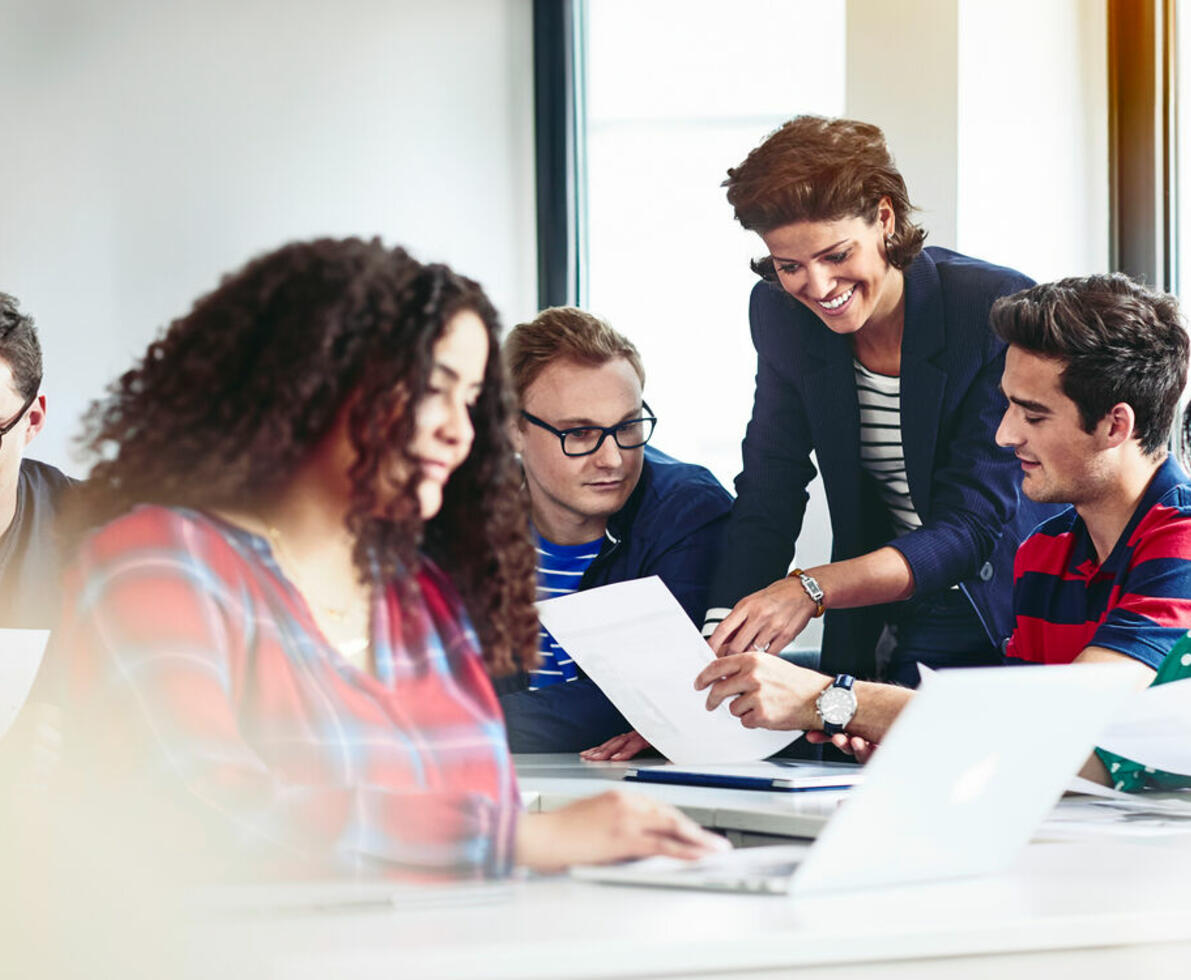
(963, 778)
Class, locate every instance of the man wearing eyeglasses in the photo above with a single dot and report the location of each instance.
(605, 507)
(30, 491)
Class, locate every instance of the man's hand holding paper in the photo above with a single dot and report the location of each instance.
(635, 641)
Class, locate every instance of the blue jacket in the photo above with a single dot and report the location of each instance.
(671, 526)
(965, 488)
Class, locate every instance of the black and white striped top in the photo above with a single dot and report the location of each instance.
(881, 452)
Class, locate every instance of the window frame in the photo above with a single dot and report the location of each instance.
(560, 158)
(1142, 140)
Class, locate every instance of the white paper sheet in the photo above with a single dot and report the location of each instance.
(20, 656)
(1176, 804)
(635, 641)
(1154, 728)
(1092, 816)
(1088, 788)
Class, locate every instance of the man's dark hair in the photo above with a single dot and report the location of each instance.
(1120, 341)
(19, 346)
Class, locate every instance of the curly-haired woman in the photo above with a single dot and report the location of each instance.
(875, 355)
(256, 631)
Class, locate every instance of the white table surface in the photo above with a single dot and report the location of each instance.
(1104, 909)
(1096, 908)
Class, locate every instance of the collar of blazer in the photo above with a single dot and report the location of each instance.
(924, 336)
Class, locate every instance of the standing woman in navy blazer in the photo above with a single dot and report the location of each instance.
(875, 354)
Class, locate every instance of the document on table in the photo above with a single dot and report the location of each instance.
(1154, 728)
(1176, 804)
(20, 656)
(635, 641)
(1101, 811)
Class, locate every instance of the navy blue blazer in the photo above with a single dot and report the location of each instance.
(965, 488)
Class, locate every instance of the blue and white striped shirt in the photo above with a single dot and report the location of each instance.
(560, 568)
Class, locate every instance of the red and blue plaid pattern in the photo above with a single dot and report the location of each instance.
(207, 668)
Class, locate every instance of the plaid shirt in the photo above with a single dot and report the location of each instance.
(207, 670)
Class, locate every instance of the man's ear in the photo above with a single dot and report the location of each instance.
(1118, 424)
(517, 435)
(35, 419)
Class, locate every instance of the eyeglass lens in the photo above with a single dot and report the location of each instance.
(628, 435)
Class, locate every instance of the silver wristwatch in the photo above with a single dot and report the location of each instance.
(836, 704)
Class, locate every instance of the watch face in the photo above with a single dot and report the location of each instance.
(812, 588)
(837, 705)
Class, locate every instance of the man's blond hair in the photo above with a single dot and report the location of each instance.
(563, 333)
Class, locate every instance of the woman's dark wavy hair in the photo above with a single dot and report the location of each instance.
(817, 169)
(226, 405)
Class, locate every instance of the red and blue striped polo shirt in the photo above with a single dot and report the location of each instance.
(1138, 602)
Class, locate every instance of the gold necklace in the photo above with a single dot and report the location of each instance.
(337, 614)
(354, 649)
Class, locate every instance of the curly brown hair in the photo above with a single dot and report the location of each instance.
(817, 169)
(226, 405)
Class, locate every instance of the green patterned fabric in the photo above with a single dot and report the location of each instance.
(1130, 776)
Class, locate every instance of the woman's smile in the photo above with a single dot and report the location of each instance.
(837, 304)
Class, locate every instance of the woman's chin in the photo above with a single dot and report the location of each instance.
(429, 498)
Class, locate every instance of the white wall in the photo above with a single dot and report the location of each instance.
(1033, 135)
(997, 114)
(902, 76)
(148, 148)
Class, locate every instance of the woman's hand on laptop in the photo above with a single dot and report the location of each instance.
(852, 745)
(616, 749)
(613, 826)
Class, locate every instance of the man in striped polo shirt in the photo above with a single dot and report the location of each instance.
(1093, 375)
(605, 506)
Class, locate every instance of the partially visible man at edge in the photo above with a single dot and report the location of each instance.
(605, 508)
(31, 492)
(1093, 374)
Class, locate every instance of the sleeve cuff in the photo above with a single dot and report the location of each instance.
(713, 618)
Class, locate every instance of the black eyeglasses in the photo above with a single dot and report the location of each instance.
(583, 440)
(9, 426)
